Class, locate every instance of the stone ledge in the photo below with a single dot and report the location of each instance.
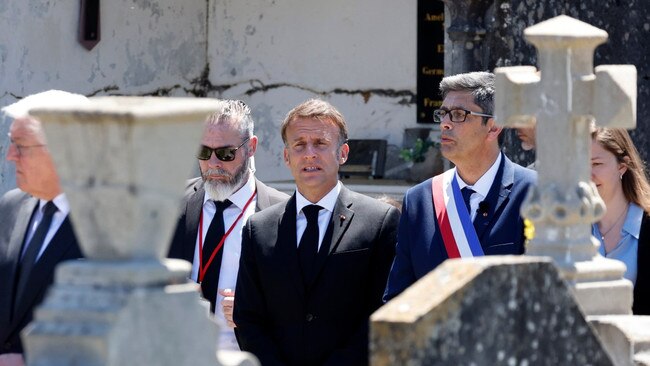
(625, 337)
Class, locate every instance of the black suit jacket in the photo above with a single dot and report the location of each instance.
(284, 323)
(641, 304)
(184, 239)
(16, 210)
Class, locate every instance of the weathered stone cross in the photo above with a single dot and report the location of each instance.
(563, 101)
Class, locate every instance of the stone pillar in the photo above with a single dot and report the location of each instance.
(564, 98)
(465, 32)
(122, 163)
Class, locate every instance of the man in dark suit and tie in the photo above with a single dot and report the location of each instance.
(314, 269)
(35, 229)
(217, 205)
(472, 209)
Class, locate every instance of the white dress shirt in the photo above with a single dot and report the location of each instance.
(231, 252)
(61, 203)
(481, 187)
(324, 215)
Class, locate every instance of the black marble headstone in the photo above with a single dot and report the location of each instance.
(626, 21)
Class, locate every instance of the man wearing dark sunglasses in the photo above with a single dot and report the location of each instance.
(314, 269)
(217, 205)
(474, 206)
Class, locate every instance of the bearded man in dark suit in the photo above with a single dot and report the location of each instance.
(35, 229)
(229, 191)
(314, 269)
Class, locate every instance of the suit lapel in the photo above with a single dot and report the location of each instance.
(263, 200)
(14, 248)
(287, 245)
(193, 216)
(44, 267)
(339, 223)
(341, 218)
(497, 197)
(20, 229)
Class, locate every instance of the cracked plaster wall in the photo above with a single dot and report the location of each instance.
(274, 54)
(155, 47)
(360, 56)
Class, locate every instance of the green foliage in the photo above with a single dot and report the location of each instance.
(418, 152)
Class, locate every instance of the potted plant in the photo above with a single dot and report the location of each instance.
(425, 158)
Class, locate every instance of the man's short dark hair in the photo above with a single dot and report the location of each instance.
(480, 84)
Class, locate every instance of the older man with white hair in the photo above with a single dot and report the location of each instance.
(35, 231)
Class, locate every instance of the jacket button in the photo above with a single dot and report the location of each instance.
(309, 317)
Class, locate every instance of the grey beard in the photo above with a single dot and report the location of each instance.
(220, 191)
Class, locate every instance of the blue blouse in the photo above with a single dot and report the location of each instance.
(627, 248)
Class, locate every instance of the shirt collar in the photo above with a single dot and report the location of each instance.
(242, 195)
(60, 201)
(327, 202)
(632, 224)
(483, 184)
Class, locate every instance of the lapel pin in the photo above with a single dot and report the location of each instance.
(484, 214)
(342, 217)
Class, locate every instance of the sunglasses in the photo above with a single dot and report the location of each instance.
(222, 153)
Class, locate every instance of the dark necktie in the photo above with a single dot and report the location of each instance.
(33, 248)
(467, 193)
(308, 247)
(216, 231)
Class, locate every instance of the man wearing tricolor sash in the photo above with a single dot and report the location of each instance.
(470, 210)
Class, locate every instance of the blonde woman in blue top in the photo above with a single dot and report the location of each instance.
(624, 230)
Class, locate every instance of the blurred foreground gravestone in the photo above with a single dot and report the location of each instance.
(123, 162)
(499, 310)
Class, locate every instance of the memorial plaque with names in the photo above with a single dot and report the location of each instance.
(431, 54)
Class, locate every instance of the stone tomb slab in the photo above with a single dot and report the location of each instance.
(499, 310)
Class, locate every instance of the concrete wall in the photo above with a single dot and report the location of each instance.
(359, 55)
(271, 54)
(274, 55)
(155, 47)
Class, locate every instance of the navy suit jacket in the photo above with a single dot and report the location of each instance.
(283, 322)
(16, 210)
(499, 226)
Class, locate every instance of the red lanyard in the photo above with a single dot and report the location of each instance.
(203, 270)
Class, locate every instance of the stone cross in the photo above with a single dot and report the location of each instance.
(564, 98)
(123, 162)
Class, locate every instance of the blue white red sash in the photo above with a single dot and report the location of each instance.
(454, 221)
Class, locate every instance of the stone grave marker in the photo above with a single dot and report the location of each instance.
(122, 163)
(498, 310)
(565, 97)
